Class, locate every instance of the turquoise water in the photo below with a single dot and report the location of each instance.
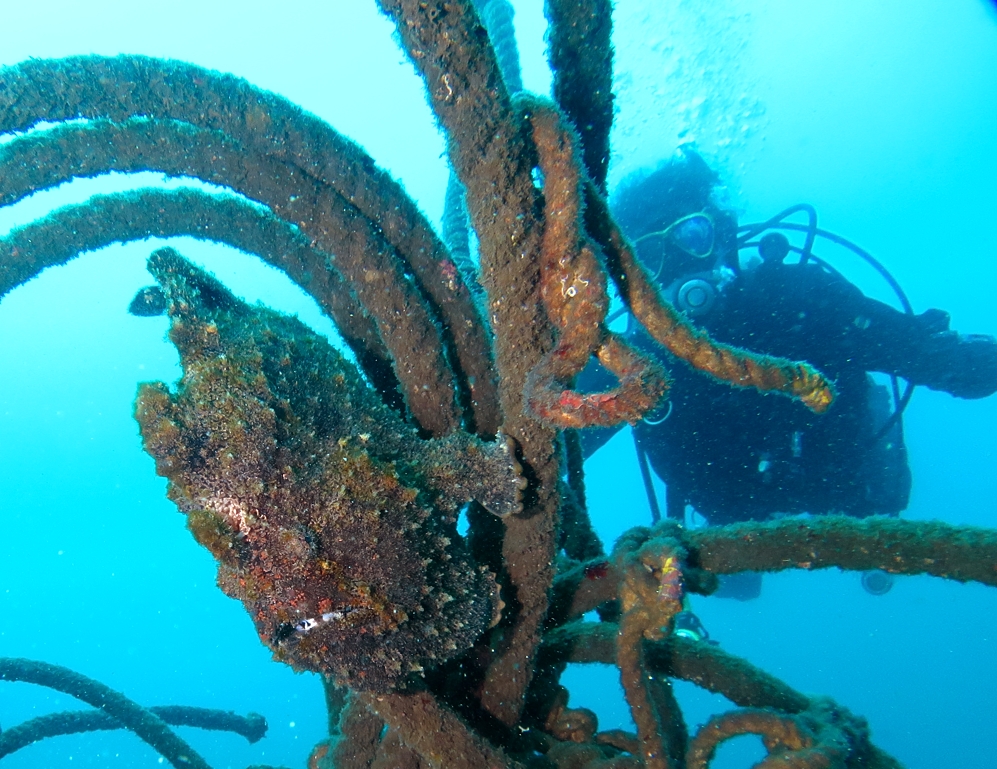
(881, 115)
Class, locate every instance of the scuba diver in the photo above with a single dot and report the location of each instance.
(738, 455)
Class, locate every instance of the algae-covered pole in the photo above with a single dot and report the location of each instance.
(736, 679)
(277, 154)
(580, 50)
(253, 727)
(724, 673)
(650, 595)
(573, 290)
(393, 753)
(586, 586)
(144, 723)
(362, 254)
(962, 553)
(701, 663)
(104, 219)
(784, 735)
(359, 733)
(824, 736)
(492, 154)
(438, 735)
(676, 333)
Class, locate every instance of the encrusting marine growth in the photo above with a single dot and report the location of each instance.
(329, 496)
(332, 521)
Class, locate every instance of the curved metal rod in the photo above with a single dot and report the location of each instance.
(253, 727)
(130, 714)
(838, 240)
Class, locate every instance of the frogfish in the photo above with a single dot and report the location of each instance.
(332, 520)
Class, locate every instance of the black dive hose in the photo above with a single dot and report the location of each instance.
(747, 231)
(900, 399)
(742, 242)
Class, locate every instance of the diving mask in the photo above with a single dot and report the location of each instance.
(694, 235)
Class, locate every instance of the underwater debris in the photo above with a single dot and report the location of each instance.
(332, 521)
(116, 711)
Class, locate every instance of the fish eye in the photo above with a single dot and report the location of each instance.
(305, 625)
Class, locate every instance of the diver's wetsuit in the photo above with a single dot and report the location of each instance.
(738, 455)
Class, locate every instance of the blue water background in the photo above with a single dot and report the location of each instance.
(881, 114)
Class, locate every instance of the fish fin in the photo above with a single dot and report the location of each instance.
(499, 480)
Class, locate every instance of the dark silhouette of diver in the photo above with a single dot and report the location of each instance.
(737, 455)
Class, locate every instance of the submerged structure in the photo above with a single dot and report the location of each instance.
(330, 500)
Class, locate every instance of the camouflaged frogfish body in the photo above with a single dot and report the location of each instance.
(331, 520)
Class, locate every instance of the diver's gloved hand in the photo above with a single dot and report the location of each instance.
(964, 365)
